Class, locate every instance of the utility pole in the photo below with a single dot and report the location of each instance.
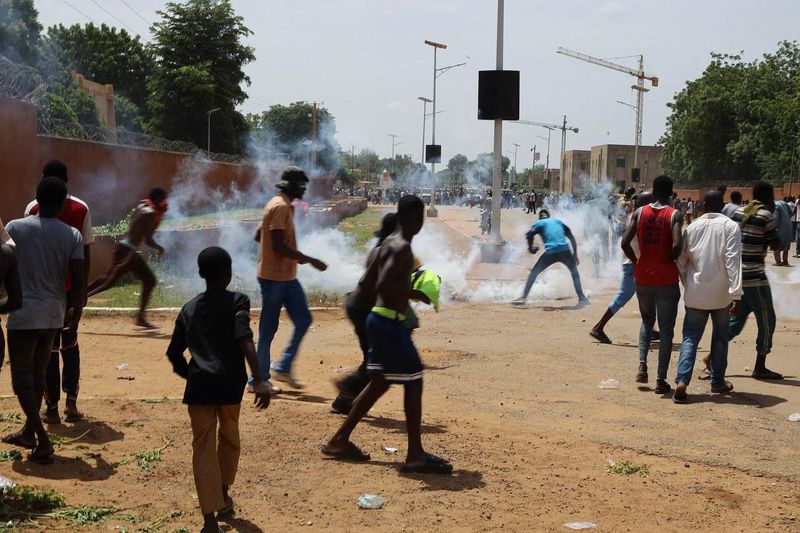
(208, 145)
(515, 162)
(425, 102)
(497, 173)
(313, 138)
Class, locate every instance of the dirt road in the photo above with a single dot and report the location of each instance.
(511, 398)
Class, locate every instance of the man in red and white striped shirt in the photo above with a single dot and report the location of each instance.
(75, 214)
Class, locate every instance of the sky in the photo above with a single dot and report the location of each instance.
(366, 62)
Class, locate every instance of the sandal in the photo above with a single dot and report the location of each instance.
(351, 453)
(43, 456)
(600, 336)
(432, 465)
(228, 508)
(15, 439)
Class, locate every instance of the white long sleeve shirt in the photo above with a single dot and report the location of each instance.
(710, 264)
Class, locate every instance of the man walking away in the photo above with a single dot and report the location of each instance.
(277, 276)
(76, 214)
(128, 254)
(731, 207)
(783, 225)
(657, 228)
(627, 287)
(554, 234)
(758, 233)
(710, 267)
(47, 250)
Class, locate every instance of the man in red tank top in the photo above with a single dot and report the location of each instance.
(75, 214)
(657, 228)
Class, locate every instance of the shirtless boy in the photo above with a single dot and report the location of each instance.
(393, 357)
(128, 256)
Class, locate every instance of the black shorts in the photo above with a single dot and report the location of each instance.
(392, 353)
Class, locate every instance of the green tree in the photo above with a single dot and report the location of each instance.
(739, 121)
(104, 55)
(458, 166)
(287, 129)
(127, 115)
(199, 66)
(19, 31)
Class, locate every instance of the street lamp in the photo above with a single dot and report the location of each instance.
(394, 143)
(208, 146)
(425, 102)
(547, 158)
(436, 73)
(515, 162)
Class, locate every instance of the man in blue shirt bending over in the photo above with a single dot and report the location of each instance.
(554, 234)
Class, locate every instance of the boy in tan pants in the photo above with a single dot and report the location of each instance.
(215, 327)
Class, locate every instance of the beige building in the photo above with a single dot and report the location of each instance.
(574, 169)
(614, 162)
(103, 96)
(539, 180)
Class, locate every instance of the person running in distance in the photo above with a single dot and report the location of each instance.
(393, 358)
(554, 234)
(128, 256)
(657, 229)
(757, 225)
(47, 250)
(710, 268)
(65, 345)
(627, 287)
(277, 278)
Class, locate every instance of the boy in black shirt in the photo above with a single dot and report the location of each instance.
(215, 327)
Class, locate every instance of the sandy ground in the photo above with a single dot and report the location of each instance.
(511, 397)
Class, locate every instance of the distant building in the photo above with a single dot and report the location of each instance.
(545, 179)
(614, 162)
(103, 97)
(574, 169)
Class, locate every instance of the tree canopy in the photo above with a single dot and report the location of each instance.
(739, 121)
(19, 31)
(200, 58)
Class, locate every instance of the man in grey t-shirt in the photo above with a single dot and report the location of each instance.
(47, 250)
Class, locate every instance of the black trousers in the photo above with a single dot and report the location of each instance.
(65, 345)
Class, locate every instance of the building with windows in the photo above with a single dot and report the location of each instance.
(574, 169)
(614, 163)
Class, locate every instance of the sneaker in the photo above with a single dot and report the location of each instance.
(722, 388)
(51, 416)
(518, 302)
(662, 387)
(680, 394)
(288, 378)
(641, 376)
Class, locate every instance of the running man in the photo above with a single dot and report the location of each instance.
(76, 214)
(277, 278)
(627, 287)
(129, 256)
(393, 358)
(554, 234)
(758, 233)
(710, 268)
(47, 250)
(657, 229)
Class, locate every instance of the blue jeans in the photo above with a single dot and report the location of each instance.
(694, 324)
(658, 301)
(548, 259)
(627, 288)
(274, 296)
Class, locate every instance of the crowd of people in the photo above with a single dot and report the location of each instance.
(715, 250)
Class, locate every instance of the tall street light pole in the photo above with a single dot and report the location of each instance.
(515, 162)
(208, 145)
(425, 102)
(497, 174)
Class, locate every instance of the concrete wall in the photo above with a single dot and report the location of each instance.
(603, 166)
(747, 192)
(574, 163)
(112, 178)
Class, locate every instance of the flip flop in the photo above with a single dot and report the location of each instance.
(432, 465)
(228, 509)
(351, 453)
(600, 337)
(15, 439)
(42, 457)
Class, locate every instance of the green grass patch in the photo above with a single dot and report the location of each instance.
(145, 459)
(363, 225)
(24, 503)
(84, 515)
(10, 417)
(627, 468)
(10, 455)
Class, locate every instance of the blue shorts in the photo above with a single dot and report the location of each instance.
(392, 353)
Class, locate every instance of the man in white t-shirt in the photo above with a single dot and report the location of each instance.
(47, 251)
(710, 267)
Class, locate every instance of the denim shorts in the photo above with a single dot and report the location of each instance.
(392, 353)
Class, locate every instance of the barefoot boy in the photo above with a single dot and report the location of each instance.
(392, 356)
(215, 327)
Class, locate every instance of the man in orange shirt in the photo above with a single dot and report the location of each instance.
(277, 277)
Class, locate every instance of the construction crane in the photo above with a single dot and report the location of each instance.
(639, 88)
(563, 127)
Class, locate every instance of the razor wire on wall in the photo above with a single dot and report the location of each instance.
(17, 81)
